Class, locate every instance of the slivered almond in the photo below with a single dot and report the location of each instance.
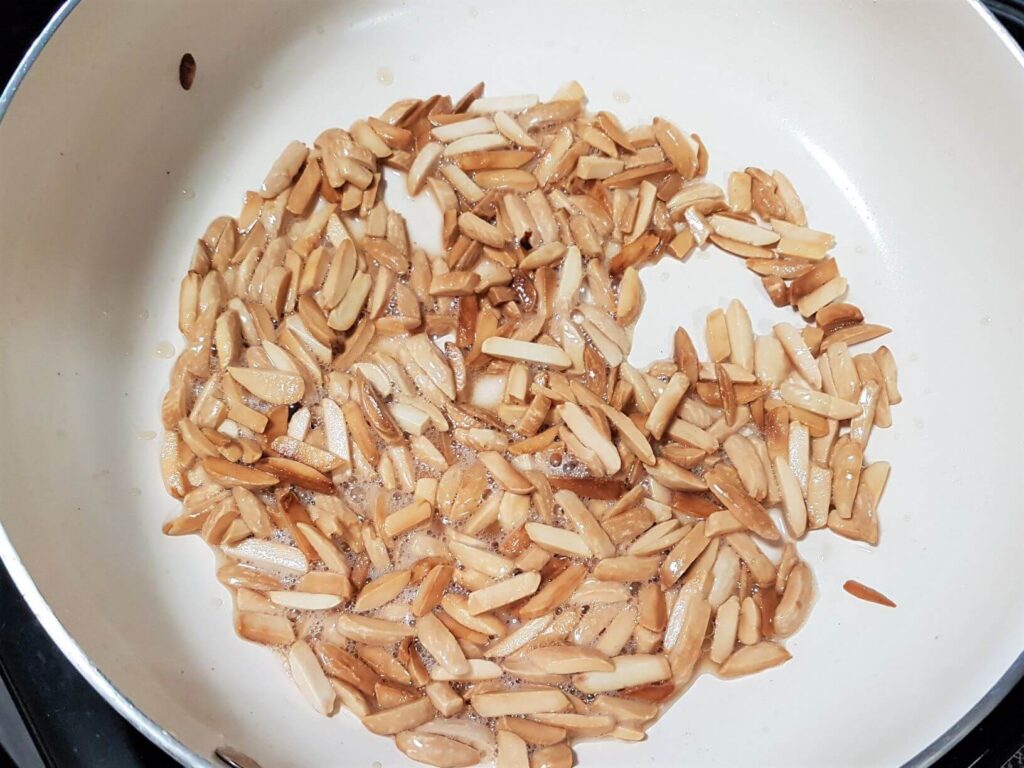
(304, 601)
(320, 460)
(593, 535)
(324, 583)
(866, 593)
(431, 589)
(854, 334)
(402, 718)
(684, 432)
(525, 633)
(798, 353)
(742, 232)
(479, 669)
(310, 678)
(269, 555)
(683, 555)
(675, 477)
(820, 402)
(364, 629)
(753, 658)
(792, 498)
(532, 732)
(482, 560)
(519, 702)
(265, 628)
(295, 472)
(558, 540)
(630, 671)
(588, 434)
(585, 725)
(439, 751)
(381, 590)
(627, 568)
(570, 659)
(503, 593)
(504, 473)
(554, 592)
(231, 475)
(441, 644)
(796, 601)
(527, 352)
(760, 566)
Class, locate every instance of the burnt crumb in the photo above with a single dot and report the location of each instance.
(187, 71)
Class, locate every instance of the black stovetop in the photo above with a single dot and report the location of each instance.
(65, 724)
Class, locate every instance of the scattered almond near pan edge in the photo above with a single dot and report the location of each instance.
(438, 486)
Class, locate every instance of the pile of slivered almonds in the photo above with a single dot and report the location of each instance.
(434, 480)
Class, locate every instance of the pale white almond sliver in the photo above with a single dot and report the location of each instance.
(631, 670)
(310, 677)
(304, 601)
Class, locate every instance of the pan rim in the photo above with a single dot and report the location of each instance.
(186, 756)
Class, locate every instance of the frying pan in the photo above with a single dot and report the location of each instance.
(898, 122)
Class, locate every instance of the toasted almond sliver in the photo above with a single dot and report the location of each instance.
(585, 725)
(479, 669)
(526, 633)
(439, 751)
(798, 353)
(741, 231)
(753, 658)
(304, 601)
(310, 678)
(587, 432)
(462, 129)
(317, 458)
(743, 506)
(441, 644)
(364, 629)
(570, 659)
(503, 593)
(483, 560)
(519, 702)
(593, 535)
(507, 476)
(431, 589)
(527, 352)
(792, 497)
(422, 166)
(512, 751)
(407, 518)
(510, 104)
(683, 555)
(381, 591)
(269, 555)
(457, 607)
(760, 566)
(532, 732)
(630, 671)
(554, 592)
(627, 568)
(264, 628)
(388, 722)
(796, 600)
(683, 431)
(820, 402)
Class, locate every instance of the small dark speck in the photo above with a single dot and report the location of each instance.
(187, 71)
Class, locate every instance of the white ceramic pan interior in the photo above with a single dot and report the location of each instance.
(900, 124)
